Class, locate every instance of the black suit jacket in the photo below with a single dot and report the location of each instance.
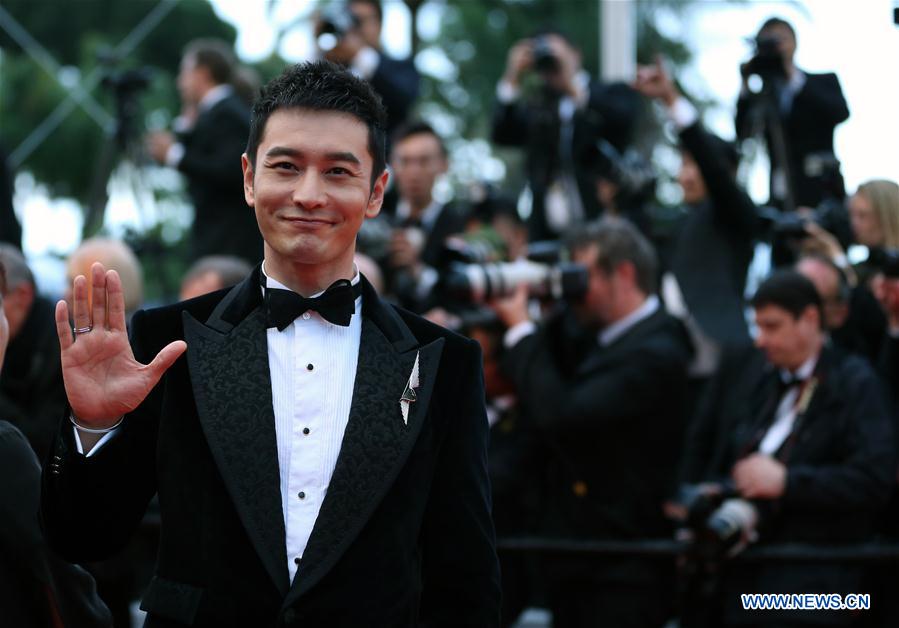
(808, 128)
(713, 244)
(223, 224)
(404, 536)
(32, 579)
(840, 465)
(610, 114)
(396, 81)
(612, 418)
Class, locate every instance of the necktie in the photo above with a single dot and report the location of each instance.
(336, 304)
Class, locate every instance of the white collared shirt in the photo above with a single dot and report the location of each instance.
(312, 408)
(620, 327)
(785, 416)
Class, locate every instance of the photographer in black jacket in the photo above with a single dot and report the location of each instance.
(602, 385)
(798, 443)
(713, 243)
(803, 109)
(557, 123)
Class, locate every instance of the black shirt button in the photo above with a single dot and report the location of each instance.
(309, 367)
(305, 430)
(301, 495)
(296, 561)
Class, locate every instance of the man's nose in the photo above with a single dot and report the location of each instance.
(309, 190)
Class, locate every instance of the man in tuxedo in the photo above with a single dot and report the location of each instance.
(320, 456)
(712, 244)
(603, 387)
(807, 107)
(395, 80)
(210, 136)
(802, 433)
(557, 126)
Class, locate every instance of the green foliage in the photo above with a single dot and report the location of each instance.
(78, 34)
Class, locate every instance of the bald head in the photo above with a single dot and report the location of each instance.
(114, 255)
(831, 285)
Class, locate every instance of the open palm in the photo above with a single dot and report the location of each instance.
(103, 380)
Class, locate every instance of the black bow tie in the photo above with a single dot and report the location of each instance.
(336, 305)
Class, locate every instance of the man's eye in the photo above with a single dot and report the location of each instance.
(283, 165)
(338, 171)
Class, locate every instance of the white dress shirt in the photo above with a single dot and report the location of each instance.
(785, 416)
(312, 365)
(312, 408)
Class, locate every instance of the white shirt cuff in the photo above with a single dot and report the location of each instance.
(517, 333)
(106, 438)
(506, 92)
(365, 62)
(682, 113)
(174, 155)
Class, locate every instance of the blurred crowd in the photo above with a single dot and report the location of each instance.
(639, 387)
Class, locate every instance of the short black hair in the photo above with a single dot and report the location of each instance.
(619, 241)
(790, 290)
(373, 3)
(322, 86)
(416, 127)
(215, 55)
(771, 22)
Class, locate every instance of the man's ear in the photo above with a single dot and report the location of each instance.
(376, 198)
(247, 168)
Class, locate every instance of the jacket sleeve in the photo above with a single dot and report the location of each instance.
(822, 97)
(732, 206)
(460, 569)
(862, 481)
(91, 506)
(214, 158)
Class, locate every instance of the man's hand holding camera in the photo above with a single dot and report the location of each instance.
(654, 82)
(548, 55)
(760, 477)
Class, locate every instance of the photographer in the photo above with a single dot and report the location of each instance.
(798, 434)
(350, 34)
(797, 112)
(557, 122)
(210, 137)
(709, 255)
(601, 383)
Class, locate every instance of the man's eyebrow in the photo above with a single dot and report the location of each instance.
(343, 156)
(286, 151)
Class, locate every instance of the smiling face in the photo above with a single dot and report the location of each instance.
(311, 188)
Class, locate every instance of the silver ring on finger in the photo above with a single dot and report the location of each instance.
(83, 330)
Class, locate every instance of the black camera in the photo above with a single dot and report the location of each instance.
(885, 260)
(634, 175)
(545, 60)
(335, 21)
(767, 61)
(717, 517)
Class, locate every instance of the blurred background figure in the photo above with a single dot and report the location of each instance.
(31, 387)
(557, 124)
(114, 255)
(703, 284)
(37, 589)
(349, 33)
(213, 273)
(602, 385)
(796, 113)
(792, 444)
(210, 136)
(10, 229)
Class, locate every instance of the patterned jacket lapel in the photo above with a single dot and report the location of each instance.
(228, 362)
(377, 442)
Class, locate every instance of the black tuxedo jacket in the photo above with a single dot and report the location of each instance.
(808, 128)
(404, 536)
(840, 464)
(611, 418)
(223, 224)
(713, 245)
